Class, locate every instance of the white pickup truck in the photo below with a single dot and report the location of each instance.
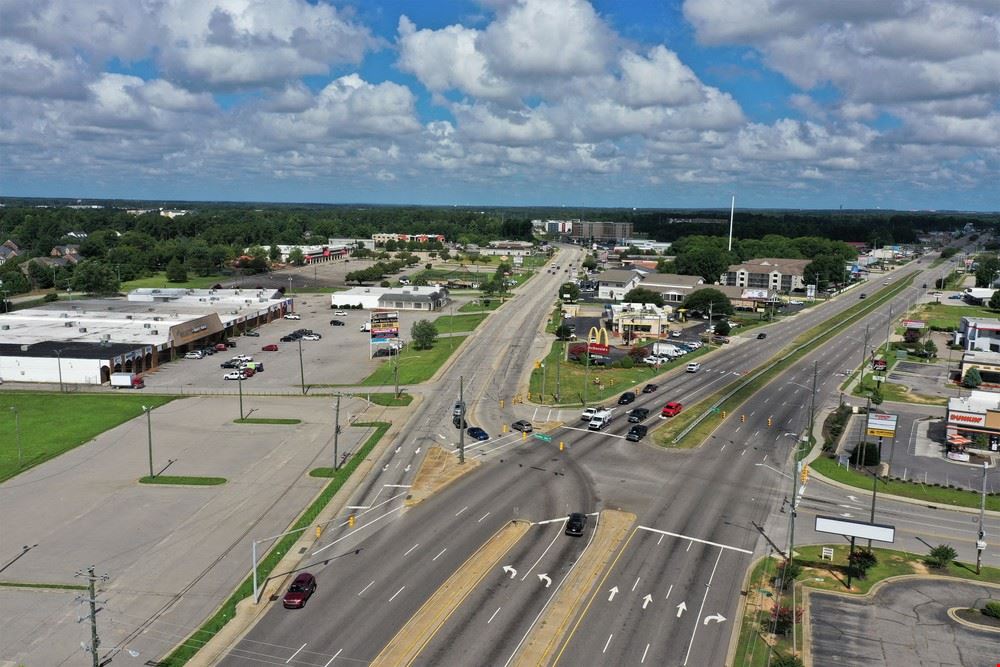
(601, 419)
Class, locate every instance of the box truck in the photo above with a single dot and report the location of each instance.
(600, 419)
(127, 381)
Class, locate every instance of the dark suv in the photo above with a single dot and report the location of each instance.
(576, 523)
(626, 398)
(636, 433)
(636, 415)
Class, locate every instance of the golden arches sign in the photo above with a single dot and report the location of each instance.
(594, 341)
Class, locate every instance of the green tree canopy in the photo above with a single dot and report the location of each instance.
(297, 257)
(423, 333)
(589, 263)
(700, 300)
(176, 272)
(722, 328)
(94, 277)
(987, 267)
(569, 292)
(994, 302)
(643, 295)
(705, 261)
(825, 270)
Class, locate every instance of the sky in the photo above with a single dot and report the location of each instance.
(645, 103)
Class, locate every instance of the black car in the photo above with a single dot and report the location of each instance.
(336, 323)
(576, 523)
(230, 364)
(477, 433)
(459, 422)
(252, 334)
(650, 388)
(385, 352)
(626, 398)
(636, 433)
(636, 415)
(761, 336)
(288, 339)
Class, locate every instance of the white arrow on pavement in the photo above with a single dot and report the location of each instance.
(385, 467)
(511, 571)
(407, 468)
(854, 499)
(418, 451)
(545, 578)
(614, 592)
(846, 515)
(718, 618)
(397, 449)
(681, 608)
(646, 600)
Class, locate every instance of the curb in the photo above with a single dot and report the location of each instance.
(953, 615)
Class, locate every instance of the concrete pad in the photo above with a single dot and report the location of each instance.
(438, 469)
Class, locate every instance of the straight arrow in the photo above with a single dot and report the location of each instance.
(718, 618)
(681, 608)
(509, 570)
(418, 451)
(407, 468)
(397, 449)
(546, 579)
(614, 592)
(646, 600)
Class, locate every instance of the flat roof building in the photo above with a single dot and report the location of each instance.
(783, 275)
(413, 297)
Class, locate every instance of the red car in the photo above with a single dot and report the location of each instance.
(270, 348)
(300, 591)
(671, 409)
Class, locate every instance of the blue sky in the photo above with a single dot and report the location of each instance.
(505, 102)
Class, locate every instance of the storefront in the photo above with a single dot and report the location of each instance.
(974, 422)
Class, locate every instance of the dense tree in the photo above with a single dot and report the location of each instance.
(987, 268)
(972, 378)
(41, 276)
(643, 295)
(722, 327)
(274, 253)
(569, 292)
(589, 263)
(176, 271)
(296, 257)
(701, 300)
(705, 261)
(94, 277)
(994, 302)
(825, 270)
(423, 333)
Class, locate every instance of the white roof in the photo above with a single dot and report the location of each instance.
(975, 402)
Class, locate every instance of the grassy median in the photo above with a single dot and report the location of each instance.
(415, 365)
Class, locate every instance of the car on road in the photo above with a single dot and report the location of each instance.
(194, 355)
(671, 409)
(339, 313)
(575, 524)
(761, 336)
(293, 316)
(312, 336)
(270, 348)
(300, 591)
(235, 375)
(252, 334)
(954, 296)
(626, 398)
(862, 296)
(337, 323)
(588, 414)
(459, 409)
(477, 433)
(693, 367)
(794, 302)
(650, 388)
(636, 415)
(675, 334)
(636, 433)
(522, 425)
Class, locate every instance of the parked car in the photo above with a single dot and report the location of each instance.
(477, 433)
(650, 388)
(271, 347)
(626, 398)
(293, 316)
(206, 351)
(636, 415)
(459, 422)
(288, 339)
(955, 296)
(337, 323)
(235, 375)
(636, 433)
(243, 357)
(230, 364)
(459, 409)
(300, 591)
(522, 425)
(761, 336)
(576, 523)
(794, 302)
(194, 354)
(386, 352)
(671, 409)
(251, 333)
(312, 336)
(220, 347)
(339, 313)
(588, 414)
(675, 334)
(693, 367)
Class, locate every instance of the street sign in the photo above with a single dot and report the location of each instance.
(542, 437)
(882, 425)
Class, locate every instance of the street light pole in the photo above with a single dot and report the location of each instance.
(981, 541)
(17, 432)
(461, 420)
(558, 364)
(149, 434)
(336, 435)
(302, 369)
(241, 393)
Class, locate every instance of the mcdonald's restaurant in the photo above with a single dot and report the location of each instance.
(974, 422)
(633, 320)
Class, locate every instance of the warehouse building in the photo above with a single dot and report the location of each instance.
(428, 298)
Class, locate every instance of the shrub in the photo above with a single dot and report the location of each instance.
(385, 283)
(972, 378)
(627, 362)
(50, 297)
(992, 609)
(941, 555)
(861, 561)
(790, 571)
(865, 454)
(782, 619)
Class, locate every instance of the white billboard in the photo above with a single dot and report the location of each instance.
(863, 530)
(882, 425)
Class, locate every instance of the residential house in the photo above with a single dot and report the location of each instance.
(673, 287)
(612, 285)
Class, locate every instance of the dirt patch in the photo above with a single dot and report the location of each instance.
(612, 527)
(438, 469)
(404, 648)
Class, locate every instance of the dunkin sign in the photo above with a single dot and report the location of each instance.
(966, 419)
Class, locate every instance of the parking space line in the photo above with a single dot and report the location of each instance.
(694, 539)
(295, 654)
(334, 657)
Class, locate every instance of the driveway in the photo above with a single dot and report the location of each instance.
(905, 624)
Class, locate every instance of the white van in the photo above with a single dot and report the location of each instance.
(365, 326)
(600, 419)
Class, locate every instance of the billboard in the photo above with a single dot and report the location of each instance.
(882, 425)
(810, 291)
(861, 529)
(384, 326)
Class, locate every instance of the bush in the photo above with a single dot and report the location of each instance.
(627, 362)
(782, 619)
(992, 609)
(790, 571)
(385, 283)
(940, 556)
(50, 297)
(861, 561)
(972, 378)
(869, 452)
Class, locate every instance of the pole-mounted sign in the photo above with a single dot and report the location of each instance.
(594, 341)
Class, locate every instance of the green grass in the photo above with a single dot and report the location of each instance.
(573, 378)
(159, 279)
(58, 587)
(54, 423)
(199, 637)
(389, 400)
(473, 307)
(945, 317)
(924, 493)
(896, 392)
(266, 420)
(183, 480)
(415, 365)
(455, 323)
(818, 335)
(555, 320)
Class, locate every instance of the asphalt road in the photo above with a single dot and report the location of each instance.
(697, 513)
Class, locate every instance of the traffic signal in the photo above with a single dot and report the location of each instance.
(769, 421)
(350, 521)
(743, 418)
(804, 475)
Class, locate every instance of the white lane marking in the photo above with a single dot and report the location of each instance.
(483, 517)
(556, 537)
(708, 587)
(295, 654)
(723, 448)
(396, 593)
(366, 588)
(334, 657)
(357, 529)
(493, 616)
(635, 584)
(669, 591)
(695, 539)
(542, 523)
(607, 643)
(461, 510)
(439, 555)
(398, 486)
(689, 546)
(411, 549)
(765, 459)
(644, 654)
(743, 452)
(659, 540)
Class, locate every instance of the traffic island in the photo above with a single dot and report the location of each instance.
(438, 469)
(550, 629)
(411, 639)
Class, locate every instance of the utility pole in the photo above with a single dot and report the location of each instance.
(95, 640)
(586, 374)
(149, 434)
(17, 432)
(981, 537)
(558, 364)
(302, 368)
(336, 435)
(812, 401)
(543, 380)
(240, 381)
(395, 367)
(461, 420)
